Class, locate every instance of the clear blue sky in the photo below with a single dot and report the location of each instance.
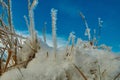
(70, 20)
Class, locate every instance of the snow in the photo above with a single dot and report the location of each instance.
(45, 67)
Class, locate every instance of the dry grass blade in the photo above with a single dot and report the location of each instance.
(10, 16)
(81, 73)
(117, 76)
(20, 71)
(0, 67)
(8, 59)
(4, 32)
(3, 4)
(3, 25)
(15, 56)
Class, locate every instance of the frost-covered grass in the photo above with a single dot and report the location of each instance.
(30, 58)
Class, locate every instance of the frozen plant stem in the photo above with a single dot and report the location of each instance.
(10, 15)
(31, 8)
(26, 20)
(44, 32)
(8, 59)
(99, 72)
(100, 24)
(72, 38)
(87, 32)
(4, 5)
(10, 20)
(54, 18)
(15, 56)
(80, 72)
(94, 38)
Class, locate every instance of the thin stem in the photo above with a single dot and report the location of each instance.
(81, 73)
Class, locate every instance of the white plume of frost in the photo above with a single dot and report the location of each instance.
(54, 18)
(71, 38)
(31, 8)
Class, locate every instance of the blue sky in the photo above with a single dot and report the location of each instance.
(68, 18)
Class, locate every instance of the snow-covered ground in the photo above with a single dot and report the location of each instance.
(71, 63)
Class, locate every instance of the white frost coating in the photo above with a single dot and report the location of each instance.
(71, 38)
(93, 63)
(34, 4)
(54, 18)
(87, 33)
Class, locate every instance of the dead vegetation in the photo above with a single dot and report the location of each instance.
(10, 44)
